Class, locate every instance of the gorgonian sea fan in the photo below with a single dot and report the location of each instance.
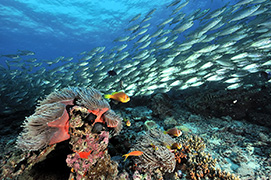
(50, 122)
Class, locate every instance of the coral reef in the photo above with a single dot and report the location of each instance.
(89, 148)
(152, 158)
(104, 169)
(49, 124)
(161, 105)
(197, 164)
(164, 160)
(250, 104)
(16, 163)
(233, 146)
(78, 114)
(150, 124)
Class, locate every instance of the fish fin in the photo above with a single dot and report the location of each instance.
(107, 96)
(126, 156)
(116, 92)
(114, 101)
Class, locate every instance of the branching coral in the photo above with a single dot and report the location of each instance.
(197, 164)
(195, 143)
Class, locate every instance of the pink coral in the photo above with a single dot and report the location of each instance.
(96, 143)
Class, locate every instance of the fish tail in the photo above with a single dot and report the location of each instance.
(126, 156)
(107, 96)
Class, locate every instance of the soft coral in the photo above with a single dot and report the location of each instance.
(98, 113)
(62, 123)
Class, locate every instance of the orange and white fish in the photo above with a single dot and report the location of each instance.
(173, 132)
(118, 96)
(133, 153)
(175, 146)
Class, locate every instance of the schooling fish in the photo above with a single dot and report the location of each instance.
(173, 132)
(118, 96)
(133, 153)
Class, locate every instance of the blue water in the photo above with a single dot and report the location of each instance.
(67, 28)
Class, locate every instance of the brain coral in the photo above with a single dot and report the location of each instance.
(50, 122)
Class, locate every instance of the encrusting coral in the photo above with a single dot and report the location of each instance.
(104, 169)
(90, 149)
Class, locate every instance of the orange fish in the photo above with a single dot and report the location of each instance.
(133, 153)
(173, 132)
(84, 155)
(118, 96)
(128, 123)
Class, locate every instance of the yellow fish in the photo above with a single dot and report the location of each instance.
(118, 96)
(128, 123)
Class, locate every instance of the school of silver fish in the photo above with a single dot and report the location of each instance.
(228, 44)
